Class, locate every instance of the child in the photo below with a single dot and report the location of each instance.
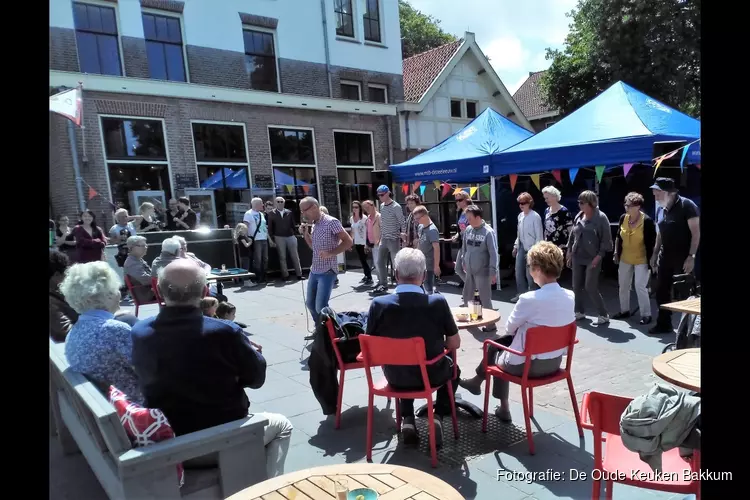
(209, 306)
(228, 312)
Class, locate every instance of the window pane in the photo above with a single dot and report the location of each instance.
(262, 72)
(364, 176)
(456, 109)
(353, 149)
(342, 154)
(219, 142)
(109, 25)
(149, 27)
(349, 91)
(471, 109)
(377, 94)
(346, 176)
(128, 177)
(258, 42)
(132, 139)
(109, 55)
(291, 146)
(156, 64)
(365, 151)
(374, 31)
(80, 17)
(346, 6)
(175, 63)
(161, 29)
(95, 18)
(236, 178)
(88, 54)
(247, 35)
(173, 30)
(268, 45)
(306, 152)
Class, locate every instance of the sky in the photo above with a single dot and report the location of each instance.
(512, 33)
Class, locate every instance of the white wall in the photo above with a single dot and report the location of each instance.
(216, 24)
(434, 124)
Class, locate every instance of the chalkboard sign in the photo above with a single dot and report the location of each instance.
(330, 191)
(184, 181)
(263, 181)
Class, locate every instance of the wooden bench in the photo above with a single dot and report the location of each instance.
(85, 421)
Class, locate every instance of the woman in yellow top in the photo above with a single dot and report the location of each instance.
(633, 248)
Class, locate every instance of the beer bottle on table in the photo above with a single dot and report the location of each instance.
(476, 307)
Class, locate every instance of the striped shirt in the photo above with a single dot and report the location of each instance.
(391, 221)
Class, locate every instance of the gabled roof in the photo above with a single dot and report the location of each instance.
(421, 70)
(529, 97)
(424, 73)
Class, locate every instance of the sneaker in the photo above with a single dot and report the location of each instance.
(366, 281)
(580, 316)
(503, 415)
(645, 320)
(622, 315)
(601, 320)
(409, 432)
(310, 337)
(489, 329)
(364, 278)
(514, 299)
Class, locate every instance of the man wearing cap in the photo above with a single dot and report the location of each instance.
(676, 245)
(392, 224)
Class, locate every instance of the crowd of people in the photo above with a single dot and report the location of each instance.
(196, 330)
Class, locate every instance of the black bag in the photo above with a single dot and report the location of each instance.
(349, 345)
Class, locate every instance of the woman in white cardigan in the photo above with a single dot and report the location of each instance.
(530, 232)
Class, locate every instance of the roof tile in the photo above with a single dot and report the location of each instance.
(529, 97)
(421, 70)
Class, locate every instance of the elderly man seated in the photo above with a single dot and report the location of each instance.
(412, 312)
(170, 251)
(214, 289)
(196, 368)
(138, 270)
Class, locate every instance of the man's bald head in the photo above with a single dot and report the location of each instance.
(182, 283)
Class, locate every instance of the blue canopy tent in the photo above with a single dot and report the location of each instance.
(235, 179)
(465, 156)
(619, 126)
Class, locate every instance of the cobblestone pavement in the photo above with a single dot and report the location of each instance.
(615, 359)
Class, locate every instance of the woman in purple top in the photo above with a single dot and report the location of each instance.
(90, 239)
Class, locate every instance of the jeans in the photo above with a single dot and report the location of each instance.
(586, 280)
(625, 275)
(260, 258)
(524, 281)
(388, 249)
(276, 437)
(284, 244)
(375, 254)
(429, 282)
(363, 260)
(319, 288)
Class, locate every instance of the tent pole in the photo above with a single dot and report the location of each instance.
(493, 206)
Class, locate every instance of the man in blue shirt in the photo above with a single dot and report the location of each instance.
(408, 313)
(195, 368)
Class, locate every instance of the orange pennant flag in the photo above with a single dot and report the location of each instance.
(405, 188)
(446, 189)
(305, 188)
(557, 175)
(417, 184)
(535, 180)
(92, 192)
(457, 190)
(513, 179)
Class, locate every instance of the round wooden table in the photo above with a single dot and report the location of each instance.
(681, 368)
(390, 481)
(489, 317)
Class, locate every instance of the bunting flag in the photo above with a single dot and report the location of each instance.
(513, 179)
(68, 104)
(535, 180)
(682, 160)
(421, 190)
(437, 184)
(698, 166)
(457, 190)
(305, 188)
(572, 174)
(405, 188)
(472, 191)
(446, 189)
(417, 184)
(626, 168)
(599, 173)
(485, 190)
(92, 193)
(558, 176)
(669, 155)
(658, 164)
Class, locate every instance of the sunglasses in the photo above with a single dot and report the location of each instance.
(522, 203)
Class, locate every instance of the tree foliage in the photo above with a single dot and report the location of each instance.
(652, 45)
(419, 32)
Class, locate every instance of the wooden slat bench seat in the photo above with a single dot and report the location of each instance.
(85, 421)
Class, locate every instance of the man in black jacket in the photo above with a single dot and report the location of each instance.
(281, 232)
(195, 368)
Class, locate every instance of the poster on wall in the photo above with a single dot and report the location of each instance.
(138, 198)
(203, 203)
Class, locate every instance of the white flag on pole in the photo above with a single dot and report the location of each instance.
(68, 104)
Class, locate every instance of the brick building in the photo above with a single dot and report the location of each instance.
(532, 103)
(239, 99)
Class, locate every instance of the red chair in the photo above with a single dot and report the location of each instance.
(137, 302)
(539, 340)
(601, 414)
(379, 351)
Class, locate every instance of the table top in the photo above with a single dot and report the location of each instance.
(212, 276)
(689, 306)
(392, 482)
(682, 368)
(489, 317)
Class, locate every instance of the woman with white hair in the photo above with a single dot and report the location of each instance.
(557, 218)
(98, 345)
(148, 218)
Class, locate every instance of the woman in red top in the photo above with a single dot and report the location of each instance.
(90, 239)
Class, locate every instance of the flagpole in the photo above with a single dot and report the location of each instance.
(76, 169)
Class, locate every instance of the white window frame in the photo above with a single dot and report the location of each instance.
(463, 108)
(377, 86)
(274, 34)
(549, 124)
(466, 109)
(380, 25)
(200, 163)
(180, 18)
(353, 83)
(113, 6)
(293, 165)
(168, 162)
(353, 167)
(355, 22)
